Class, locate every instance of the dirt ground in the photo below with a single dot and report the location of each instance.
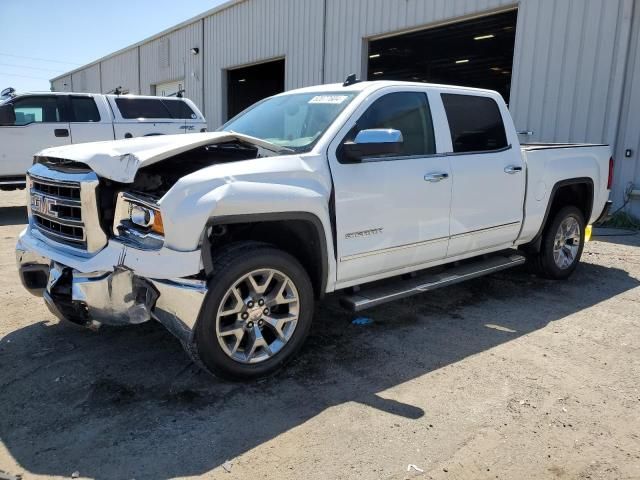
(508, 377)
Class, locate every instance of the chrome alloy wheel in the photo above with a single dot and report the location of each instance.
(567, 243)
(257, 316)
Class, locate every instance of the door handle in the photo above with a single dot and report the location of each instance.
(511, 169)
(61, 132)
(435, 177)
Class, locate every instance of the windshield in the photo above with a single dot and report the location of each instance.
(293, 121)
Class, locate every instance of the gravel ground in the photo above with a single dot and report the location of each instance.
(509, 377)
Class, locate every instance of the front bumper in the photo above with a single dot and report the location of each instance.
(111, 295)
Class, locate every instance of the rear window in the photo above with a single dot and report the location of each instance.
(179, 109)
(154, 108)
(84, 109)
(475, 123)
(142, 108)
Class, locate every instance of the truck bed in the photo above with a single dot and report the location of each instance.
(551, 164)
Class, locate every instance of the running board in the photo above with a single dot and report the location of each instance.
(13, 182)
(402, 288)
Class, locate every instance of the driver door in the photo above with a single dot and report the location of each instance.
(392, 212)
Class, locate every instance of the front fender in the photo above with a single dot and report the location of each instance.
(185, 218)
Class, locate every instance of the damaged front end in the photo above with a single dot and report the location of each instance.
(118, 297)
(96, 247)
(115, 298)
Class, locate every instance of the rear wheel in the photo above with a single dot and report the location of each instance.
(562, 244)
(257, 313)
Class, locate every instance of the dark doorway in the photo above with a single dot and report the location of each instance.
(472, 53)
(245, 86)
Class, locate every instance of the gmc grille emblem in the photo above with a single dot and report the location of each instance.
(43, 205)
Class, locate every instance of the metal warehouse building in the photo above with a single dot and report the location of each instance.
(569, 69)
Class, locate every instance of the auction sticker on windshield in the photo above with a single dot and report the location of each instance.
(330, 99)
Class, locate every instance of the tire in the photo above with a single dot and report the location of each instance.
(558, 257)
(235, 338)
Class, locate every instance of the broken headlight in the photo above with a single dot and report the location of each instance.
(138, 220)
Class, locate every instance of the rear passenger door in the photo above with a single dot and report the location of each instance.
(488, 175)
(87, 125)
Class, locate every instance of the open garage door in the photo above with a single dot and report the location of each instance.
(472, 53)
(247, 85)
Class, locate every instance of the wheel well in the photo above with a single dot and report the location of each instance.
(578, 193)
(302, 238)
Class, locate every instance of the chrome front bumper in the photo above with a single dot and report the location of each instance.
(114, 296)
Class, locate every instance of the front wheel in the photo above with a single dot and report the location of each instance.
(257, 313)
(562, 244)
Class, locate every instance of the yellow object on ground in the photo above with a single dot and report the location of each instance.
(587, 233)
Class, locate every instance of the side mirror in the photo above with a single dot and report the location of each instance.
(7, 115)
(376, 142)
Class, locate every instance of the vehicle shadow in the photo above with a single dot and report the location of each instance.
(126, 403)
(15, 215)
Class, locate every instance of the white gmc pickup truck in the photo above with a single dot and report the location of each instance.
(373, 190)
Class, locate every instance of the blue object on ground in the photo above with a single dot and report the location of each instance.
(362, 321)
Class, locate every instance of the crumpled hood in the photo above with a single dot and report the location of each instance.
(120, 160)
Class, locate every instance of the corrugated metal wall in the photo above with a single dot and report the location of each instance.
(121, 70)
(62, 84)
(168, 58)
(568, 71)
(259, 30)
(87, 80)
(626, 169)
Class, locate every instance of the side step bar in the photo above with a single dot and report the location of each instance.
(20, 183)
(424, 282)
(11, 183)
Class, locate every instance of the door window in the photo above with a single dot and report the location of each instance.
(405, 111)
(84, 109)
(37, 110)
(475, 123)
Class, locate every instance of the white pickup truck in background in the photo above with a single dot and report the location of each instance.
(31, 122)
(373, 190)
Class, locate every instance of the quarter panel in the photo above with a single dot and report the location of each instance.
(547, 167)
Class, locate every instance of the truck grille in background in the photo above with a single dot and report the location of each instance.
(56, 210)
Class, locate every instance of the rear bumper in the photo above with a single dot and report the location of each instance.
(113, 296)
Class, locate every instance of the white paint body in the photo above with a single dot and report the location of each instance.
(478, 209)
(19, 143)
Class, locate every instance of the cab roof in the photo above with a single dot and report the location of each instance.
(378, 84)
